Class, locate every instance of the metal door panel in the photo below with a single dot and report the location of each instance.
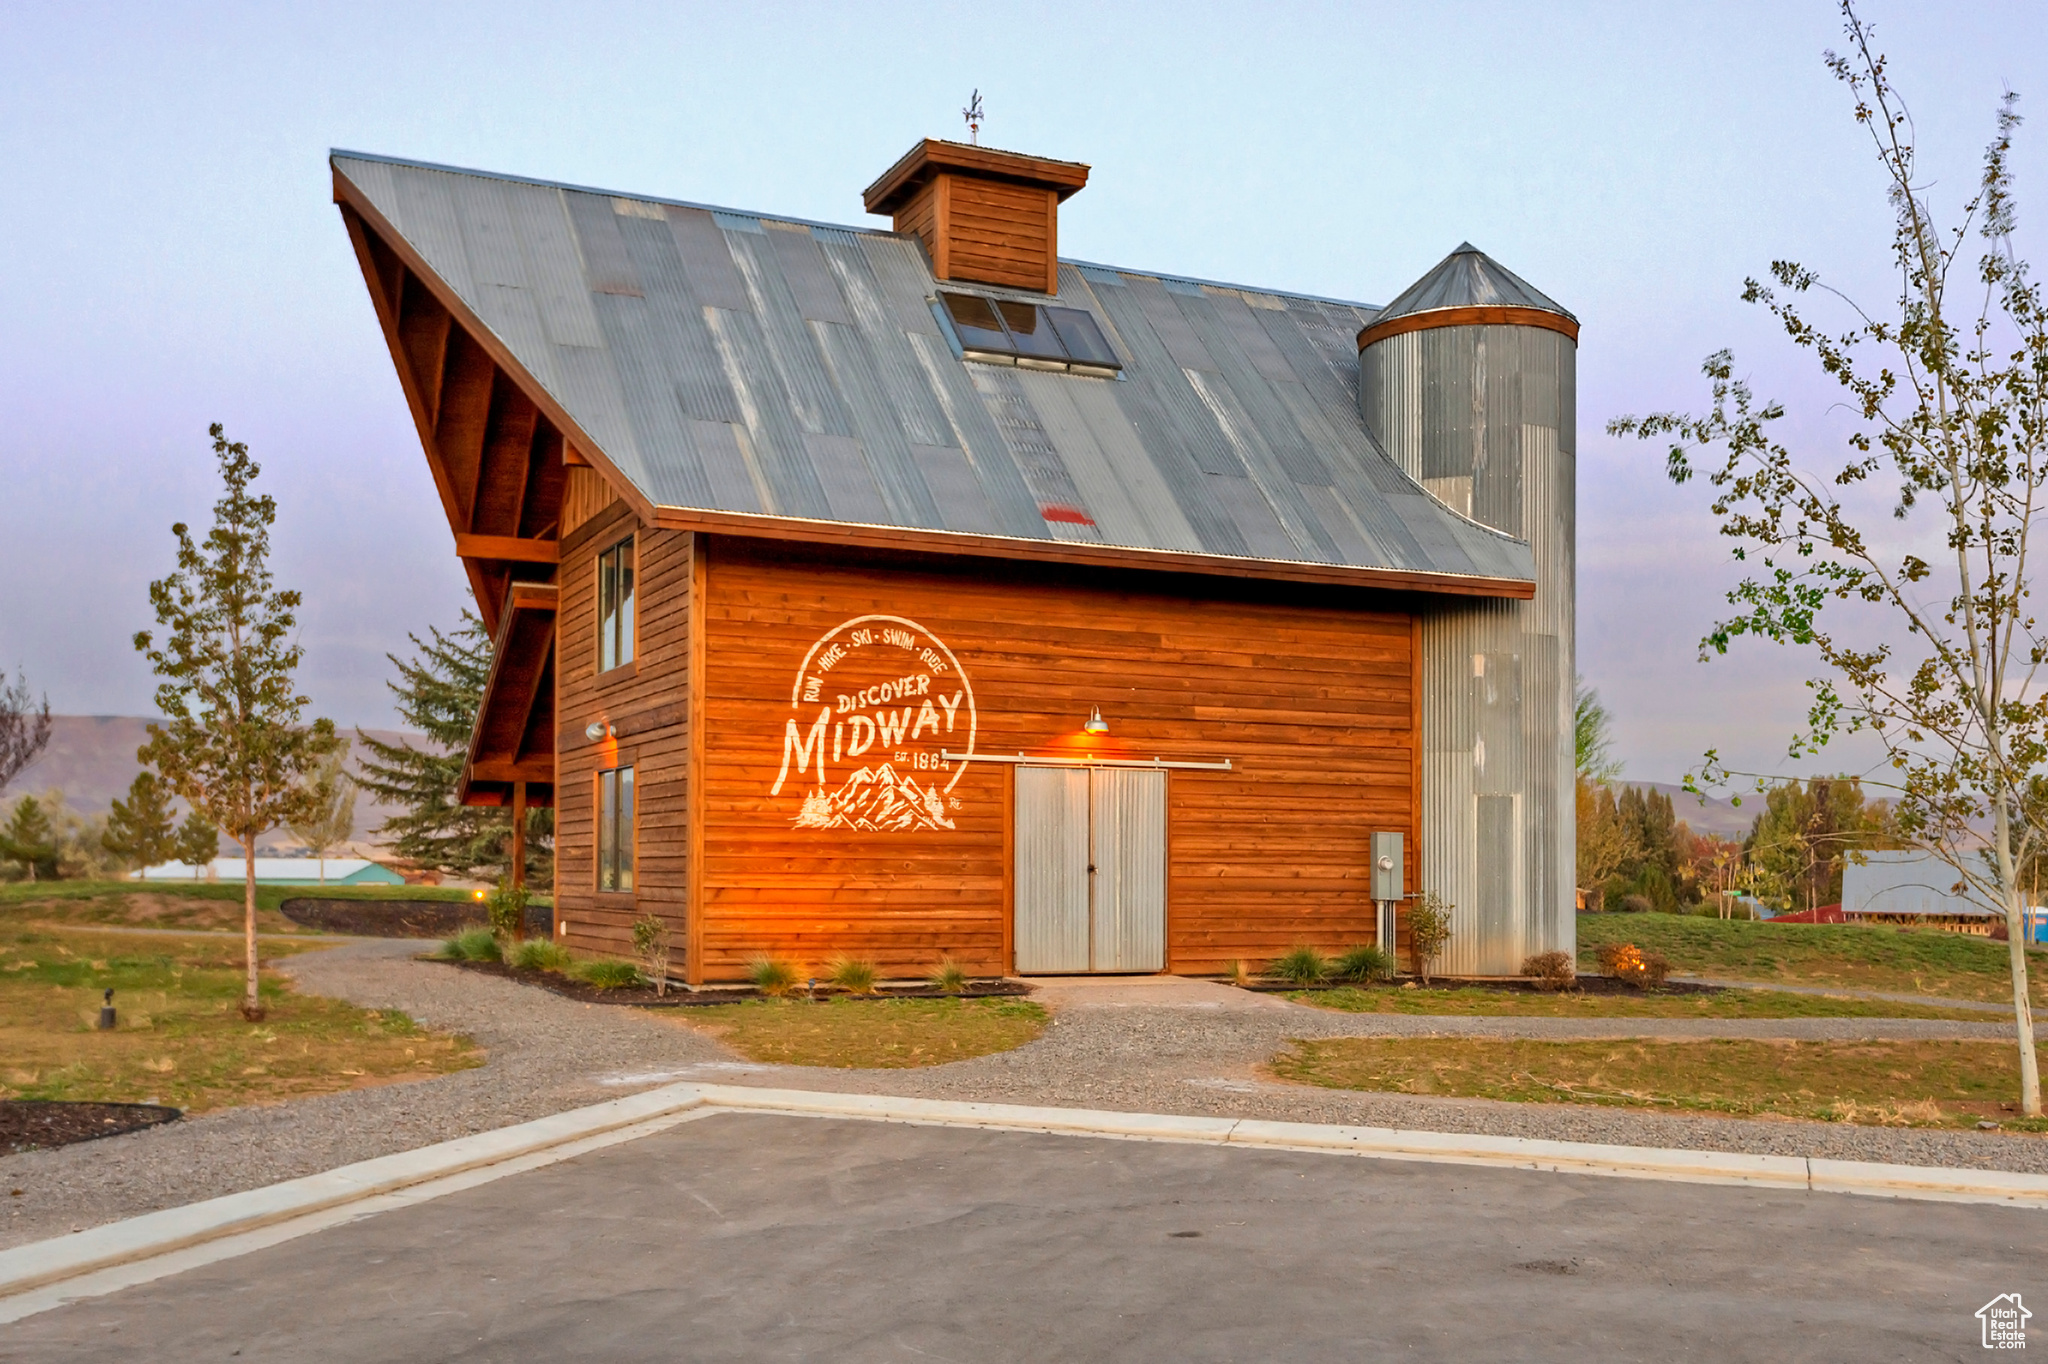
(1051, 874)
(1128, 820)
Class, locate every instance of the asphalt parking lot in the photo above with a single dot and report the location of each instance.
(761, 1237)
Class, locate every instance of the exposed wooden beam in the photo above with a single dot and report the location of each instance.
(533, 697)
(463, 420)
(508, 548)
(508, 769)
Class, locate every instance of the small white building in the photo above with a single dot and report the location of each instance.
(1911, 888)
(281, 871)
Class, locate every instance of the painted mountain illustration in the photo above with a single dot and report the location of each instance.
(875, 798)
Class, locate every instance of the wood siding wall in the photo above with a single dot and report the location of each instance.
(585, 494)
(1312, 703)
(987, 231)
(647, 703)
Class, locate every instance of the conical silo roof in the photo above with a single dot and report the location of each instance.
(1468, 278)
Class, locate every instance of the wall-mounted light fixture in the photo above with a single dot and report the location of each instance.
(598, 729)
(1096, 724)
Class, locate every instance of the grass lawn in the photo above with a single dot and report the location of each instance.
(181, 1040)
(1888, 1083)
(869, 1034)
(1474, 1002)
(1844, 955)
(208, 905)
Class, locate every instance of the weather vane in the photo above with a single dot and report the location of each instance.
(972, 113)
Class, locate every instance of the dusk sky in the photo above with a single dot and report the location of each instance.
(174, 257)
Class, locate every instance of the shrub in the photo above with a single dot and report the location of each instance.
(948, 977)
(1302, 965)
(772, 975)
(650, 941)
(1551, 970)
(474, 944)
(609, 973)
(506, 907)
(1626, 961)
(1429, 929)
(1636, 904)
(855, 975)
(1364, 964)
(541, 954)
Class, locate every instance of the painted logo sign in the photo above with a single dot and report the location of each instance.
(877, 705)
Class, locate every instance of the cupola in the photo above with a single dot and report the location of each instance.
(985, 216)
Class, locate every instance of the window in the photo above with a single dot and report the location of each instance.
(615, 606)
(1034, 335)
(615, 829)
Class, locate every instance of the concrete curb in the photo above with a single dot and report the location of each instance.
(157, 1233)
(36, 1266)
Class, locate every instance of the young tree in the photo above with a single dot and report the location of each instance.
(28, 838)
(24, 730)
(330, 820)
(1950, 396)
(139, 831)
(231, 742)
(439, 691)
(198, 843)
(1606, 842)
(1591, 725)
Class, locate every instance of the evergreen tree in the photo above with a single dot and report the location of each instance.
(1806, 835)
(30, 841)
(231, 742)
(139, 831)
(198, 843)
(439, 691)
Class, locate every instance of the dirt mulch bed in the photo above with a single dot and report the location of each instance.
(643, 996)
(402, 918)
(1587, 985)
(33, 1124)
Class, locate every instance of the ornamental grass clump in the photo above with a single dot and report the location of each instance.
(1364, 964)
(650, 942)
(772, 976)
(473, 944)
(1551, 970)
(949, 977)
(855, 975)
(1241, 973)
(609, 973)
(541, 954)
(1302, 965)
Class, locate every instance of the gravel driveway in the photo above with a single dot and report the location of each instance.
(547, 1054)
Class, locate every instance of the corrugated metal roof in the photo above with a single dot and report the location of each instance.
(736, 362)
(1468, 277)
(1912, 883)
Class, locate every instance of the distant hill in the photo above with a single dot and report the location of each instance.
(1705, 814)
(91, 759)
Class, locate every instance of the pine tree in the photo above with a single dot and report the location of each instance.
(231, 742)
(198, 843)
(30, 840)
(439, 691)
(139, 830)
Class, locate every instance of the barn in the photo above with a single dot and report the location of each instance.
(915, 592)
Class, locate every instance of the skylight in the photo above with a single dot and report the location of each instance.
(1030, 335)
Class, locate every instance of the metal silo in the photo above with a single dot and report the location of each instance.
(1468, 379)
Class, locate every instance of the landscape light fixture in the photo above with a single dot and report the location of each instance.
(1096, 724)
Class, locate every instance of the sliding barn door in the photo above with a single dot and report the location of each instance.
(1090, 875)
(1128, 818)
(1051, 881)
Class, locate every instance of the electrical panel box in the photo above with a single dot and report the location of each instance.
(1387, 871)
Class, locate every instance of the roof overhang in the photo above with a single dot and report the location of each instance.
(1089, 555)
(933, 157)
(514, 737)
